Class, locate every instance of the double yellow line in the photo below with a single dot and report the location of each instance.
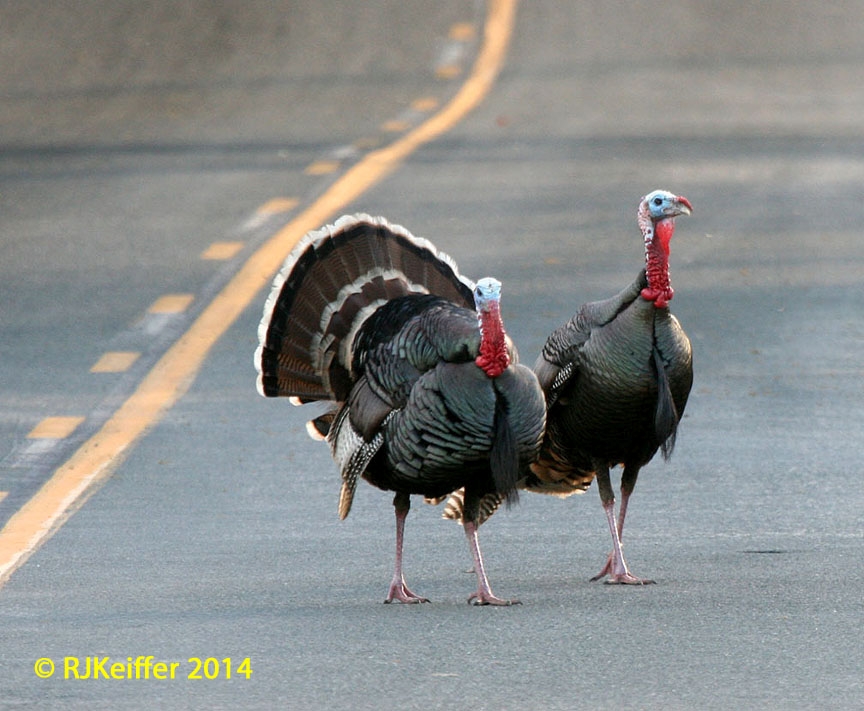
(172, 375)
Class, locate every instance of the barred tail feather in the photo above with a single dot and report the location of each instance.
(455, 505)
(346, 497)
(552, 476)
(353, 468)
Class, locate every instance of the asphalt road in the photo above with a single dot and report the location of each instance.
(133, 136)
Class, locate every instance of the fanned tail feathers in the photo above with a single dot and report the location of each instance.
(330, 283)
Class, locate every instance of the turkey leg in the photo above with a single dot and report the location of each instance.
(616, 567)
(398, 589)
(484, 595)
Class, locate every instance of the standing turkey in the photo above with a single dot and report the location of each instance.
(616, 378)
(426, 395)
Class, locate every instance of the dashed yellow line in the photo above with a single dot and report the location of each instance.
(171, 304)
(115, 362)
(425, 103)
(448, 71)
(172, 375)
(55, 428)
(395, 126)
(221, 251)
(462, 31)
(3, 495)
(322, 167)
(366, 143)
(277, 205)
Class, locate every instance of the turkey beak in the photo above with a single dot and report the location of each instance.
(684, 206)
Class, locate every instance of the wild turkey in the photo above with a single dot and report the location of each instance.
(426, 394)
(616, 378)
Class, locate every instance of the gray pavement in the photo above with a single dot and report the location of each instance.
(128, 146)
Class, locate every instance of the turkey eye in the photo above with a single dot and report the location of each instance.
(658, 201)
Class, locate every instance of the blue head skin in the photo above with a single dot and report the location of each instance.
(663, 204)
(486, 291)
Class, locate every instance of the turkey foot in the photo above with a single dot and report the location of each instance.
(619, 577)
(487, 598)
(400, 593)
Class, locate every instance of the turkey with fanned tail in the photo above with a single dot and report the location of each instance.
(426, 393)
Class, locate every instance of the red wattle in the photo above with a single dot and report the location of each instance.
(493, 358)
(659, 288)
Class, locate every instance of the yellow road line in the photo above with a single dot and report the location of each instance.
(425, 103)
(220, 251)
(172, 375)
(115, 362)
(277, 205)
(462, 31)
(322, 167)
(448, 71)
(171, 304)
(395, 126)
(55, 428)
(366, 143)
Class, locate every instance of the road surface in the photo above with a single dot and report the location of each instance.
(135, 137)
